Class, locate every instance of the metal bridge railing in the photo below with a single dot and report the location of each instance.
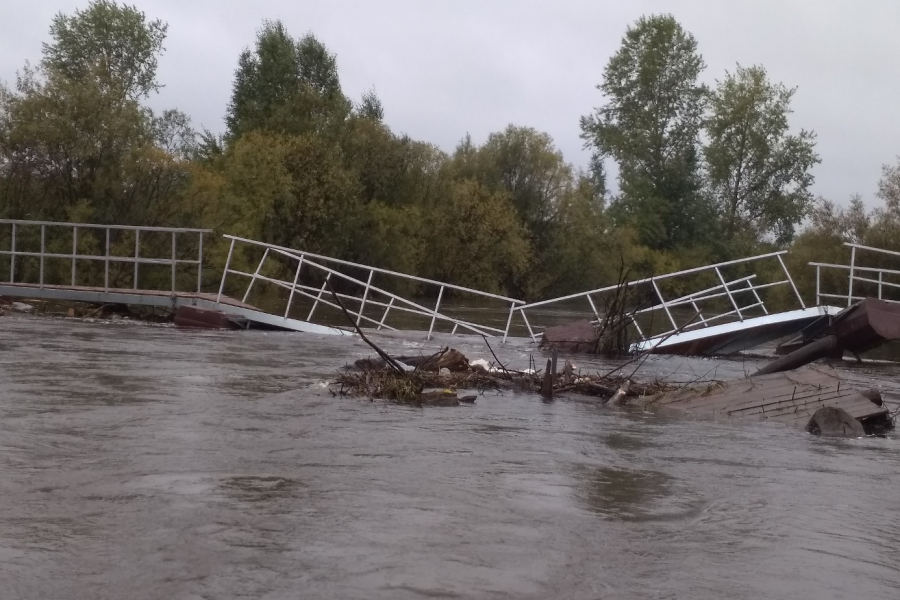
(854, 271)
(725, 289)
(370, 294)
(53, 229)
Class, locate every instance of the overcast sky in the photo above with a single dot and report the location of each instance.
(443, 68)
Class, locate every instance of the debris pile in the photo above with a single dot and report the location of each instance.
(449, 372)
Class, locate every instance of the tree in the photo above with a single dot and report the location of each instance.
(395, 170)
(524, 164)
(650, 125)
(474, 238)
(292, 191)
(116, 44)
(758, 173)
(74, 137)
(370, 107)
(285, 86)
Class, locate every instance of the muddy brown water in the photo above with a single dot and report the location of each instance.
(148, 462)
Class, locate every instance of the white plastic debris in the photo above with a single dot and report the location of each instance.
(21, 307)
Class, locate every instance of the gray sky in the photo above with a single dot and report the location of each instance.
(443, 68)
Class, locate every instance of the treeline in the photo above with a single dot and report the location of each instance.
(703, 174)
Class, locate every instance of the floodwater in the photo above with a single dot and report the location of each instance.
(148, 462)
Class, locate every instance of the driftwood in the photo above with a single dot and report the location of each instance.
(375, 379)
(452, 360)
(384, 355)
(619, 397)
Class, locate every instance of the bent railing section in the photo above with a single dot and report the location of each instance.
(742, 294)
(295, 266)
(42, 241)
(862, 280)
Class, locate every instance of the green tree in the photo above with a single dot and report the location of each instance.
(292, 191)
(758, 173)
(73, 136)
(285, 86)
(395, 170)
(474, 238)
(112, 43)
(650, 125)
(370, 107)
(525, 164)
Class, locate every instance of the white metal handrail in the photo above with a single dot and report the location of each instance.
(724, 289)
(853, 268)
(372, 295)
(75, 256)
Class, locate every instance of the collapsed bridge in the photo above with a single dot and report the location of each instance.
(713, 309)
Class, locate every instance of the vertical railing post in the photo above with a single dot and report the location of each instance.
(200, 265)
(434, 315)
(756, 295)
(730, 297)
(173, 262)
(699, 314)
(818, 287)
(852, 266)
(880, 273)
(137, 253)
(106, 264)
(318, 298)
(74, 251)
(225, 272)
(43, 228)
(255, 275)
(634, 322)
(293, 287)
(528, 325)
(791, 280)
(512, 309)
(362, 305)
(664, 303)
(12, 255)
(593, 306)
(384, 316)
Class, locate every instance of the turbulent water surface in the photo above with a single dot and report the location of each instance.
(149, 462)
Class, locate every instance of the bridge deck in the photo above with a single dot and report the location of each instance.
(163, 299)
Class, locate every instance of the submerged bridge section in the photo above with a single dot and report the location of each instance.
(698, 318)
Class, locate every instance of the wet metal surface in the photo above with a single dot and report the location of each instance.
(148, 462)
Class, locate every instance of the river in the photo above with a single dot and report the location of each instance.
(147, 462)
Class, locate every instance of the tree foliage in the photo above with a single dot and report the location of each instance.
(758, 173)
(475, 238)
(110, 42)
(285, 86)
(650, 125)
(73, 133)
